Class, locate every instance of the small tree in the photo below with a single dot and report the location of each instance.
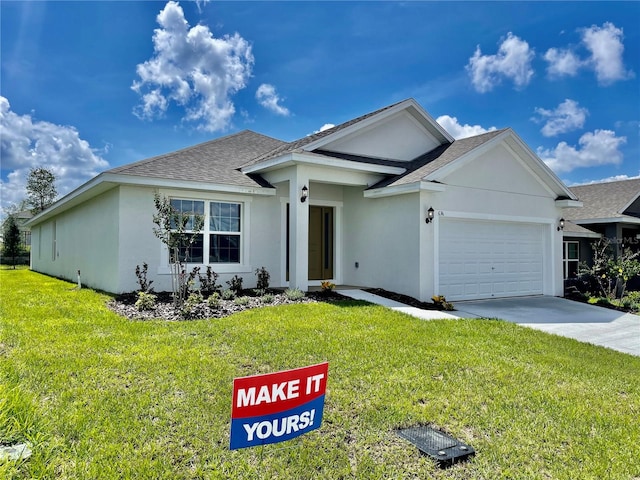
(41, 189)
(11, 248)
(611, 275)
(171, 228)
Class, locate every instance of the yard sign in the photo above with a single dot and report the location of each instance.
(277, 406)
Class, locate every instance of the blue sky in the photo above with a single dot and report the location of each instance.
(87, 86)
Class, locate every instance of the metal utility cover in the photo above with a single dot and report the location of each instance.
(443, 448)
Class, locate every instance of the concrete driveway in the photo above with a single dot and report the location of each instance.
(587, 323)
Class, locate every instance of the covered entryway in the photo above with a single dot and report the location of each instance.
(489, 259)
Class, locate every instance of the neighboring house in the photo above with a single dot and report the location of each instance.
(386, 200)
(22, 218)
(610, 210)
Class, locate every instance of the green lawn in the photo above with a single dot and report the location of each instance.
(103, 397)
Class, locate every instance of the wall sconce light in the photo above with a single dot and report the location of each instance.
(430, 214)
(561, 224)
(305, 194)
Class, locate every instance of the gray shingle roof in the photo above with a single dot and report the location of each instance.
(570, 227)
(431, 161)
(603, 200)
(216, 161)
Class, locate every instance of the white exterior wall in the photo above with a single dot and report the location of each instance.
(86, 239)
(138, 244)
(383, 235)
(260, 238)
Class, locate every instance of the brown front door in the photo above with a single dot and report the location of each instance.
(320, 243)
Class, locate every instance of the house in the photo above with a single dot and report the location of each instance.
(610, 210)
(386, 200)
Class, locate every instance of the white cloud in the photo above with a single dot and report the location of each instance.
(600, 147)
(605, 48)
(26, 143)
(324, 127)
(615, 178)
(193, 69)
(457, 131)
(566, 117)
(513, 61)
(562, 62)
(605, 45)
(269, 99)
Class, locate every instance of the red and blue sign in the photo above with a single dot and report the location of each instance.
(277, 406)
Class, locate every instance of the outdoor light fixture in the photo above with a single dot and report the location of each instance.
(305, 194)
(430, 214)
(561, 224)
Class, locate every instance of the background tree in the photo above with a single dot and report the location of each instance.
(41, 189)
(11, 248)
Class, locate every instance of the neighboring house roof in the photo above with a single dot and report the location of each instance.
(216, 161)
(606, 202)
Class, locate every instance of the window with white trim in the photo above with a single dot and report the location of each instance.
(220, 240)
(570, 258)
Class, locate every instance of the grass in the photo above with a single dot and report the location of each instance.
(100, 396)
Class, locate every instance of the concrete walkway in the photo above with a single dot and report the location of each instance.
(587, 323)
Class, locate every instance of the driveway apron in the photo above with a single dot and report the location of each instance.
(588, 323)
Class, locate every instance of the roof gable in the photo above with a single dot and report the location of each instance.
(397, 132)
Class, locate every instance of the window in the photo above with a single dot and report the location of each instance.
(221, 237)
(190, 248)
(224, 228)
(570, 259)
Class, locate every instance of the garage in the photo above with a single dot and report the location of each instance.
(488, 259)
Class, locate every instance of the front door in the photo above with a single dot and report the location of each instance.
(320, 243)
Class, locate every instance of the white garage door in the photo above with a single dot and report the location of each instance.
(490, 259)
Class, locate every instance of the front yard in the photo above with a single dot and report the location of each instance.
(101, 396)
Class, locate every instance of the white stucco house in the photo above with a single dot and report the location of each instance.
(386, 200)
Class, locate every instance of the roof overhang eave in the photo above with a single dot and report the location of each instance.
(621, 219)
(404, 189)
(106, 181)
(566, 234)
(295, 158)
(567, 203)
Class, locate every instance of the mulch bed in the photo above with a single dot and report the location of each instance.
(398, 297)
(124, 305)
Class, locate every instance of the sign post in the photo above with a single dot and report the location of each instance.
(277, 406)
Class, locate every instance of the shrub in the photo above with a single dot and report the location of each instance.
(611, 275)
(208, 285)
(441, 303)
(267, 298)
(146, 301)
(192, 306)
(244, 300)
(235, 284)
(327, 287)
(263, 278)
(141, 273)
(294, 294)
(259, 292)
(633, 297)
(214, 300)
(228, 294)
